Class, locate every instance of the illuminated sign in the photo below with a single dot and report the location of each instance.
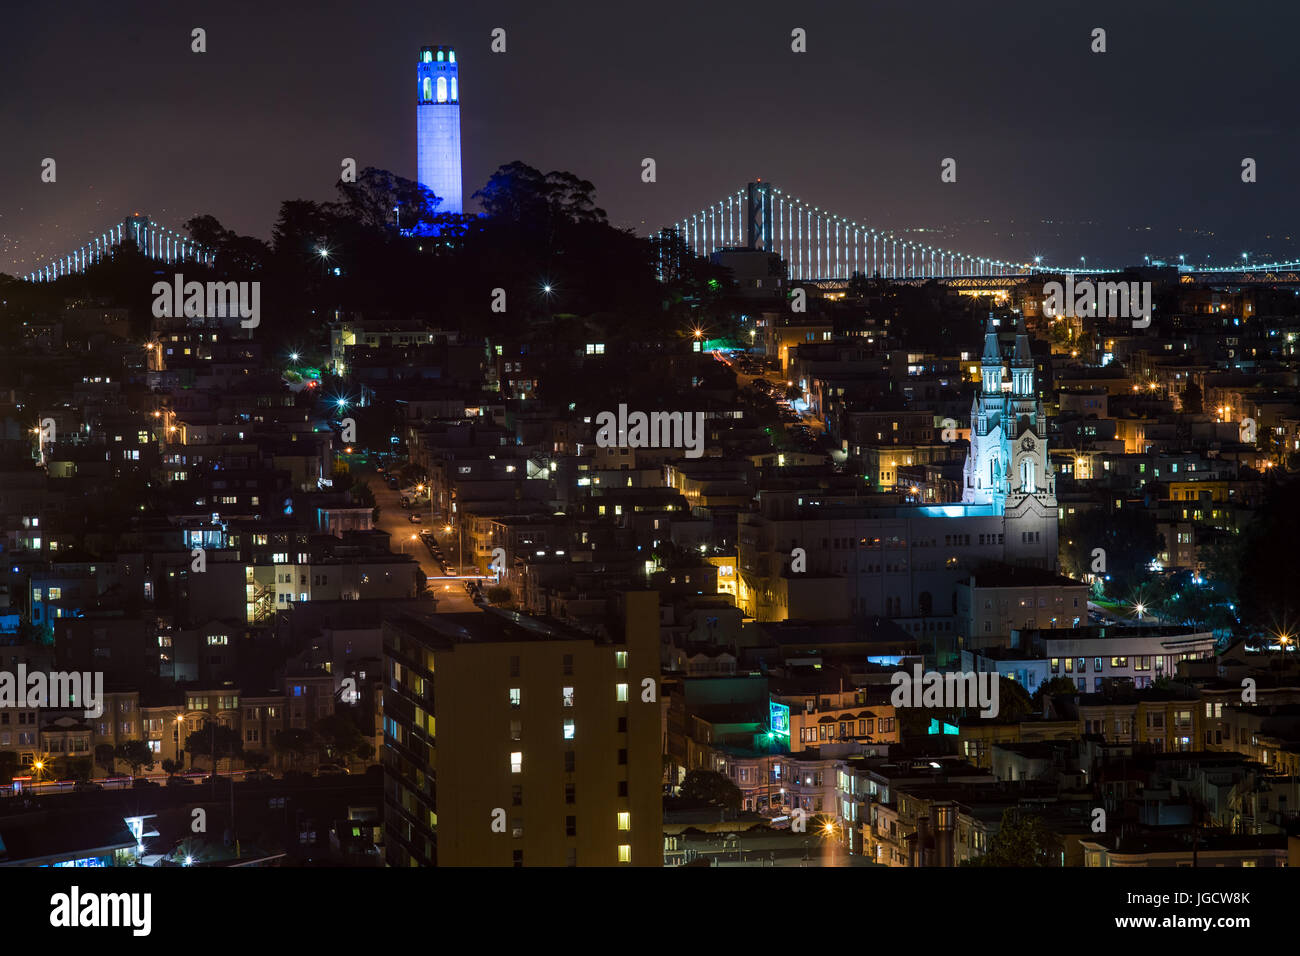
(779, 718)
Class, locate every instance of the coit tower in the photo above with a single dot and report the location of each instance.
(437, 126)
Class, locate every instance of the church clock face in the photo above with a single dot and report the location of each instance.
(1027, 444)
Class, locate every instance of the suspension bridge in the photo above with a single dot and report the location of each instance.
(818, 247)
(152, 239)
(826, 249)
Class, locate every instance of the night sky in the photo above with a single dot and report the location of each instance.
(1061, 152)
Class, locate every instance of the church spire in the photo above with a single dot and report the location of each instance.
(992, 351)
(1022, 363)
(1022, 356)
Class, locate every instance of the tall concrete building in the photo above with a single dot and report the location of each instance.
(511, 741)
(437, 126)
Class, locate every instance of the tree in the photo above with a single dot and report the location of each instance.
(135, 754)
(106, 757)
(1270, 599)
(711, 787)
(1128, 538)
(29, 633)
(1055, 687)
(215, 741)
(293, 743)
(499, 594)
(339, 736)
(1013, 700)
(171, 767)
(1022, 840)
(362, 495)
(1192, 399)
(256, 759)
(72, 768)
(233, 253)
(517, 193)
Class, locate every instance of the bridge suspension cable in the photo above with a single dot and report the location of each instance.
(154, 240)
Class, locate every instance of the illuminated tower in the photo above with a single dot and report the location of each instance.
(437, 126)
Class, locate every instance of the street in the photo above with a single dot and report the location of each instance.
(405, 539)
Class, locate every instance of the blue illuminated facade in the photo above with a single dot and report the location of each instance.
(437, 126)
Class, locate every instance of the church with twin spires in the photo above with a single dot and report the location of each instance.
(1008, 467)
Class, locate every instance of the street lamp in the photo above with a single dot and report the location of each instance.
(829, 832)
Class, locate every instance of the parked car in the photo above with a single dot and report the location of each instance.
(179, 782)
(331, 770)
(86, 786)
(142, 783)
(415, 518)
(258, 776)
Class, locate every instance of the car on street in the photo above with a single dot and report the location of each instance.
(415, 519)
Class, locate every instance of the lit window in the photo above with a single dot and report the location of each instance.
(516, 762)
(624, 820)
(569, 728)
(625, 853)
(621, 693)
(568, 697)
(514, 697)
(620, 659)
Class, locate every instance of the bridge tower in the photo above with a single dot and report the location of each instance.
(437, 126)
(758, 216)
